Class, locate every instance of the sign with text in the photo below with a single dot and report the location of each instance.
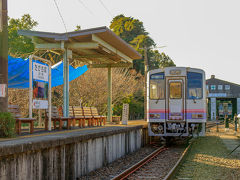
(40, 104)
(40, 72)
(3, 90)
(217, 95)
(125, 113)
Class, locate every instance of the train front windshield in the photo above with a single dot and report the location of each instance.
(194, 85)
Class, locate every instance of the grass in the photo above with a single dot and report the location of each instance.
(208, 159)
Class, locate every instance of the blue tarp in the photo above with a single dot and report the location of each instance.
(18, 73)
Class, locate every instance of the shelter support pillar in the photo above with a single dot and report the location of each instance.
(238, 105)
(67, 54)
(109, 116)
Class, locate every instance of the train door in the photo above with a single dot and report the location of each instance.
(175, 101)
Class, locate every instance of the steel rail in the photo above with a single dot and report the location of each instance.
(138, 165)
(173, 171)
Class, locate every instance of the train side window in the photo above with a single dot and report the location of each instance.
(175, 90)
(157, 87)
(194, 85)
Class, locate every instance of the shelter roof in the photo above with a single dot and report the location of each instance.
(97, 47)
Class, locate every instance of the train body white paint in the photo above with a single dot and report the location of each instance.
(176, 102)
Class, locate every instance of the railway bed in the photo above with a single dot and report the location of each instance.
(157, 167)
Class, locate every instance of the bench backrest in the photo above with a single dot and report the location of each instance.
(55, 113)
(14, 110)
(87, 111)
(94, 111)
(77, 111)
(71, 111)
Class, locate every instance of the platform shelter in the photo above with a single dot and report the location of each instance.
(96, 47)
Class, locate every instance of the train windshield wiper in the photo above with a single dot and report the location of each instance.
(194, 99)
(158, 100)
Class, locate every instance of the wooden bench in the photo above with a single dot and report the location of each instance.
(77, 113)
(88, 115)
(57, 118)
(15, 111)
(99, 119)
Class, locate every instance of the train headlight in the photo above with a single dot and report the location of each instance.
(197, 116)
(154, 116)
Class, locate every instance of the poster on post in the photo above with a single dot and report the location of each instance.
(125, 113)
(3, 90)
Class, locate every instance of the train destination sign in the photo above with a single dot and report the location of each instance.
(175, 72)
(157, 76)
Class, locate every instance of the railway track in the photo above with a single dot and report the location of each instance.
(156, 165)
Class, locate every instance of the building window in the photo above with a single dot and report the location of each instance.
(227, 87)
(213, 87)
(220, 87)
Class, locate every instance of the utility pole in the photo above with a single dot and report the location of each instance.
(145, 82)
(3, 56)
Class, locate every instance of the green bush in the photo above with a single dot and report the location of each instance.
(7, 125)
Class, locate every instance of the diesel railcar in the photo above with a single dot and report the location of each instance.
(176, 102)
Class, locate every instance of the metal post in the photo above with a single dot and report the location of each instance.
(3, 55)
(30, 87)
(67, 54)
(109, 117)
(50, 98)
(145, 82)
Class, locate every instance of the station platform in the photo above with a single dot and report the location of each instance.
(68, 154)
(40, 136)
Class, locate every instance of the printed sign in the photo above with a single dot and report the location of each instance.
(40, 72)
(125, 113)
(3, 90)
(217, 95)
(40, 104)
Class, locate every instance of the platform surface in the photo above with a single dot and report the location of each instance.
(44, 139)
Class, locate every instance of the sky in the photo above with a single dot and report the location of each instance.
(201, 34)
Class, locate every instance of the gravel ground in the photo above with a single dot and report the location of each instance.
(209, 159)
(159, 167)
(119, 165)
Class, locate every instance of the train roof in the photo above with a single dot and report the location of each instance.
(177, 68)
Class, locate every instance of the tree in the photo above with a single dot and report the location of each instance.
(78, 28)
(133, 32)
(20, 45)
(158, 60)
(127, 28)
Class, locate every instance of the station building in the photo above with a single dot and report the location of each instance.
(223, 98)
